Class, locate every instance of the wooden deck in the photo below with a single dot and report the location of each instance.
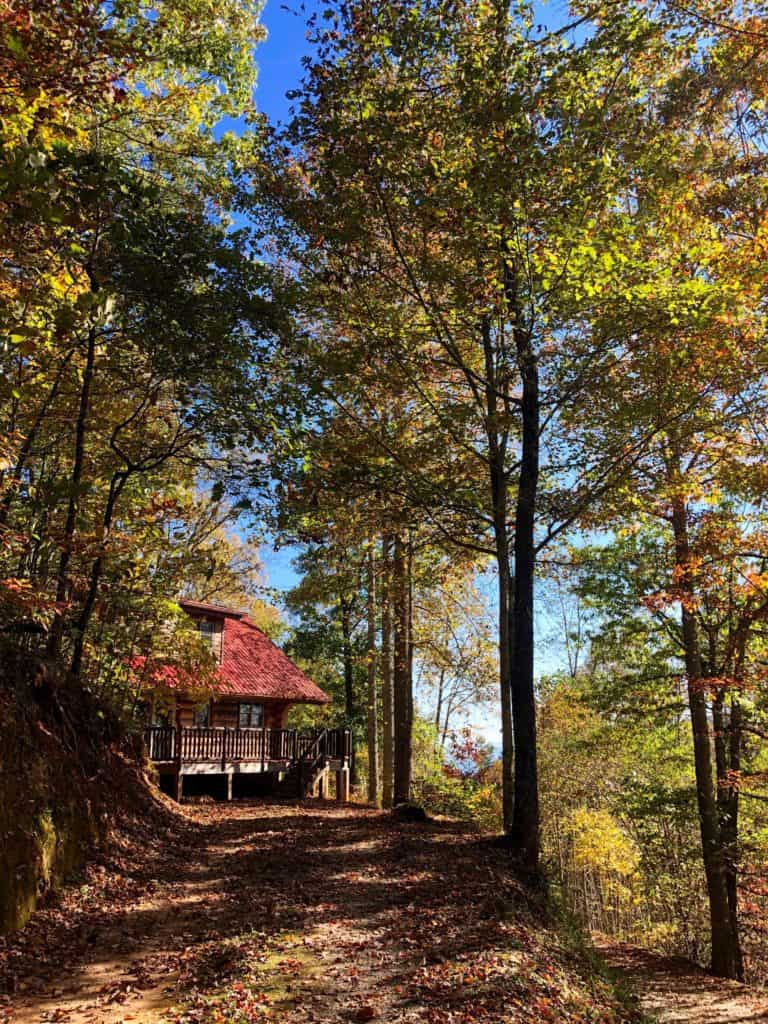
(306, 757)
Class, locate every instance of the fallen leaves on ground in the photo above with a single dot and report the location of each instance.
(251, 913)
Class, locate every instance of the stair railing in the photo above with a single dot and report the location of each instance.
(312, 759)
(318, 750)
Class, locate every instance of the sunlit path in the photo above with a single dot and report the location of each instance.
(675, 991)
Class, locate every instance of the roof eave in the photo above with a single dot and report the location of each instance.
(245, 694)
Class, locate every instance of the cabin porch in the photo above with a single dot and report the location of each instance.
(302, 761)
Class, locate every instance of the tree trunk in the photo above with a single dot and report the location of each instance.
(439, 704)
(78, 462)
(83, 621)
(402, 697)
(386, 673)
(347, 655)
(410, 641)
(373, 701)
(726, 956)
(349, 679)
(729, 824)
(499, 497)
(505, 666)
(446, 722)
(525, 822)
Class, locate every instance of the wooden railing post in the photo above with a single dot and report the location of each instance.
(177, 758)
(224, 749)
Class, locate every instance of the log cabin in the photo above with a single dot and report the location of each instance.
(242, 728)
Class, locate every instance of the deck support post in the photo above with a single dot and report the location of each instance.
(230, 779)
(178, 787)
(342, 786)
(177, 755)
(321, 786)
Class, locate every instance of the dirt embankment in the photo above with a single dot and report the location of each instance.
(63, 785)
(674, 991)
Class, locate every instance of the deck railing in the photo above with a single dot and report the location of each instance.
(169, 743)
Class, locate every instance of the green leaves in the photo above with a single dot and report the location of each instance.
(134, 313)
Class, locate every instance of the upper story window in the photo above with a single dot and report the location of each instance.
(202, 717)
(251, 716)
(206, 630)
(211, 632)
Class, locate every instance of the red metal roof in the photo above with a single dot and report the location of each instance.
(252, 665)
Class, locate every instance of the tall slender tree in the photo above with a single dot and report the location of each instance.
(372, 667)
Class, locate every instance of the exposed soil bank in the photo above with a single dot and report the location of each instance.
(63, 787)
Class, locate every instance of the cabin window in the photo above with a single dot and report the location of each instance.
(206, 630)
(251, 716)
(202, 717)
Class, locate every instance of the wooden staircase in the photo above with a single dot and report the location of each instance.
(309, 773)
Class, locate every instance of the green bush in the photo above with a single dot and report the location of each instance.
(463, 781)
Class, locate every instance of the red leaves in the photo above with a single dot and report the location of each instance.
(713, 684)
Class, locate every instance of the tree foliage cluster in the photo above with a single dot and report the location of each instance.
(132, 315)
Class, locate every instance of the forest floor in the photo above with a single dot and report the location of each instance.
(308, 913)
(674, 991)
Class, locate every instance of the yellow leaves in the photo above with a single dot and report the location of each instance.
(18, 123)
(65, 284)
(754, 581)
(600, 844)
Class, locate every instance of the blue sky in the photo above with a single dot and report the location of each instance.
(280, 69)
(279, 58)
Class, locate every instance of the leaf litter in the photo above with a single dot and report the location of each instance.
(299, 913)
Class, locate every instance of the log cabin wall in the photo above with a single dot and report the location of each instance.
(226, 713)
(185, 714)
(275, 714)
(217, 640)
